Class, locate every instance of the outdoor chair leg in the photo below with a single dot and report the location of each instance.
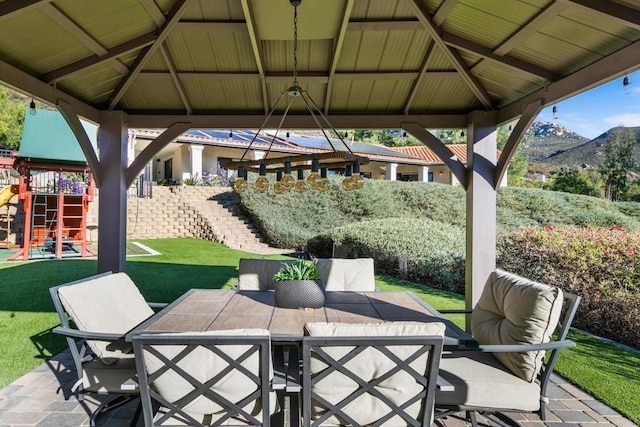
(109, 405)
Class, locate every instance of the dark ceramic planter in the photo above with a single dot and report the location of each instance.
(299, 294)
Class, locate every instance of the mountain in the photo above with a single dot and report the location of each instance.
(545, 140)
(592, 152)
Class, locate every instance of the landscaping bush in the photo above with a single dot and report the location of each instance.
(601, 265)
(419, 250)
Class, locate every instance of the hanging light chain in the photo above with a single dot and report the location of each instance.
(295, 44)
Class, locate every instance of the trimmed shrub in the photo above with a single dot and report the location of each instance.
(420, 250)
(600, 265)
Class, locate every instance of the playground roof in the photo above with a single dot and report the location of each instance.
(48, 138)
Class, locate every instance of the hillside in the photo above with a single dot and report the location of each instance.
(592, 152)
(290, 219)
(547, 140)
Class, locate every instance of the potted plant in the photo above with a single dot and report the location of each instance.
(298, 285)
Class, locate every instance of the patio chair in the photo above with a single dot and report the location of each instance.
(340, 274)
(370, 374)
(513, 322)
(205, 378)
(95, 313)
(257, 274)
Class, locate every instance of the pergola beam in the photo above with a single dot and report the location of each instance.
(454, 57)
(624, 15)
(337, 49)
(174, 15)
(131, 45)
(14, 7)
(176, 79)
(426, 60)
(212, 26)
(385, 25)
(443, 11)
(257, 50)
(154, 11)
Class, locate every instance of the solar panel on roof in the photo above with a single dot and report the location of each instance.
(356, 147)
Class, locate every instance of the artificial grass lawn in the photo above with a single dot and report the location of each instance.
(27, 315)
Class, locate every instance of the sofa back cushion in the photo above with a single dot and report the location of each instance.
(257, 274)
(340, 274)
(515, 310)
(110, 303)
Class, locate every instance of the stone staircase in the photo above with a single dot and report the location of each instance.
(210, 213)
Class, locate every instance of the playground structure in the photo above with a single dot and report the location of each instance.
(55, 200)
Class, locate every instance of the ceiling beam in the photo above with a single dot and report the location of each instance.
(257, 50)
(211, 26)
(198, 75)
(487, 53)
(299, 121)
(385, 25)
(426, 60)
(454, 57)
(625, 15)
(179, 7)
(176, 79)
(26, 83)
(337, 49)
(126, 47)
(443, 11)
(613, 66)
(154, 11)
(14, 7)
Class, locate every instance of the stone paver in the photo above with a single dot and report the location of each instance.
(43, 398)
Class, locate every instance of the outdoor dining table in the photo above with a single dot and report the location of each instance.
(201, 310)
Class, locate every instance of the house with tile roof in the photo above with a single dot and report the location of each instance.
(438, 171)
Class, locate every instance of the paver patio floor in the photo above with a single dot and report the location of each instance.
(43, 398)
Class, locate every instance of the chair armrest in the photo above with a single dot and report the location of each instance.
(520, 348)
(75, 333)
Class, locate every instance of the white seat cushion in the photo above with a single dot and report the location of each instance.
(110, 303)
(257, 274)
(340, 274)
(514, 310)
(481, 381)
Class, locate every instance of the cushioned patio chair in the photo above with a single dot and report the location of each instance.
(205, 378)
(341, 274)
(513, 322)
(95, 313)
(257, 274)
(381, 374)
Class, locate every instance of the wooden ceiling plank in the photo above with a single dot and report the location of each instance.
(625, 15)
(337, 49)
(74, 29)
(12, 8)
(426, 60)
(211, 26)
(487, 53)
(154, 11)
(131, 45)
(179, 7)
(443, 11)
(257, 50)
(456, 60)
(176, 79)
(385, 25)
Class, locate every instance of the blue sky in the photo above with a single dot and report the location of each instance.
(596, 111)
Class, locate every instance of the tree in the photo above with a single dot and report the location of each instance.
(11, 120)
(618, 162)
(576, 182)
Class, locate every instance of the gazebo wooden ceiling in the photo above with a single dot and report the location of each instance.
(367, 63)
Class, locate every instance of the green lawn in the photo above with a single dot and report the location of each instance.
(27, 315)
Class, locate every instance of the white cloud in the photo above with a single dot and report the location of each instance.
(630, 120)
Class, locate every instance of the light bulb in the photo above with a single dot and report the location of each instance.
(262, 184)
(287, 182)
(323, 185)
(300, 186)
(313, 179)
(240, 185)
(357, 181)
(278, 188)
(32, 108)
(347, 185)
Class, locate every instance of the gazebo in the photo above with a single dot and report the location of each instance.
(401, 64)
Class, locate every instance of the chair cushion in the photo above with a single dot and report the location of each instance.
(257, 274)
(515, 310)
(369, 365)
(481, 381)
(203, 365)
(110, 303)
(340, 274)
